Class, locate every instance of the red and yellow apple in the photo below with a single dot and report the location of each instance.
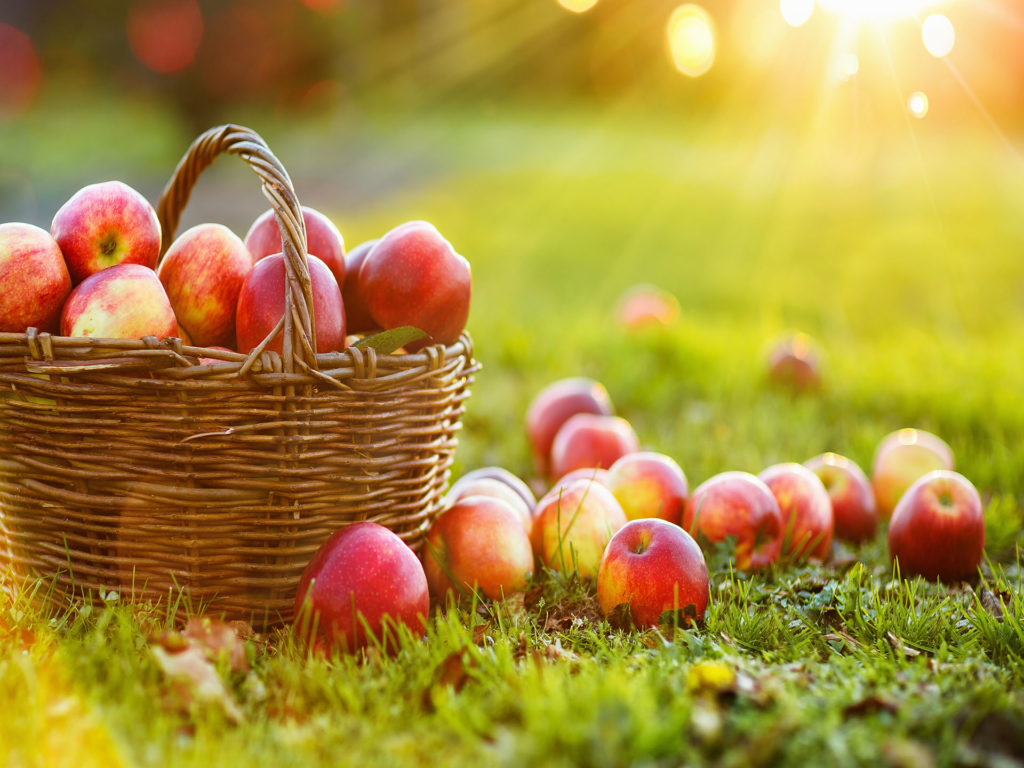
(649, 484)
(853, 501)
(106, 224)
(901, 458)
(203, 272)
(644, 306)
(261, 305)
(502, 475)
(478, 543)
(738, 505)
(492, 489)
(590, 440)
(357, 314)
(553, 406)
(323, 240)
(806, 509)
(595, 474)
(362, 578)
(653, 566)
(34, 278)
(126, 301)
(938, 528)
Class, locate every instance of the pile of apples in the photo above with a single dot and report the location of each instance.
(625, 518)
(98, 273)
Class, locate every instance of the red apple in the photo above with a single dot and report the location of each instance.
(654, 566)
(595, 474)
(795, 362)
(413, 276)
(492, 489)
(478, 543)
(853, 501)
(739, 505)
(643, 306)
(938, 528)
(806, 509)
(363, 577)
(553, 406)
(357, 314)
(900, 459)
(103, 225)
(649, 484)
(589, 440)
(261, 305)
(323, 240)
(573, 524)
(125, 301)
(203, 272)
(34, 279)
(504, 476)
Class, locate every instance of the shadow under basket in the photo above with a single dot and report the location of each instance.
(131, 465)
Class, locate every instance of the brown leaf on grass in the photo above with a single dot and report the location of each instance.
(219, 640)
(480, 633)
(621, 617)
(869, 706)
(900, 646)
(196, 679)
(844, 638)
(453, 671)
(993, 601)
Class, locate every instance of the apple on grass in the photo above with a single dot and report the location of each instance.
(106, 224)
(590, 474)
(901, 458)
(261, 305)
(737, 505)
(502, 475)
(357, 314)
(806, 509)
(654, 567)
(590, 440)
(572, 525)
(323, 240)
(493, 489)
(34, 278)
(795, 363)
(478, 543)
(126, 301)
(203, 272)
(553, 406)
(853, 501)
(649, 484)
(363, 581)
(413, 276)
(938, 528)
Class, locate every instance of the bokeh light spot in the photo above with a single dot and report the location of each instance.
(796, 12)
(21, 72)
(691, 39)
(577, 6)
(938, 35)
(917, 104)
(847, 66)
(164, 35)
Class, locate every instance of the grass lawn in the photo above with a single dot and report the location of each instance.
(902, 258)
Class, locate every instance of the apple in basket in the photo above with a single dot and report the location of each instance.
(323, 240)
(203, 272)
(413, 276)
(106, 224)
(261, 305)
(34, 278)
(363, 581)
(357, 315)
(126, 301)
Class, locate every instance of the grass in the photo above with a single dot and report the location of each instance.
(902, 259)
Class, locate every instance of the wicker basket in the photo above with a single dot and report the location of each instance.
(124, 464)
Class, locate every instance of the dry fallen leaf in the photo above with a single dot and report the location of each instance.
(196, 679)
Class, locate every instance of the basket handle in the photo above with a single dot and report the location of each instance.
(299, 342)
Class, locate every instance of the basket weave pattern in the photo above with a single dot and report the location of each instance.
(126, 464)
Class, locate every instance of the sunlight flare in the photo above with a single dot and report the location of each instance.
(691, 38)
(938, 35)
(796, 12)
(917, 104)
(577, 6)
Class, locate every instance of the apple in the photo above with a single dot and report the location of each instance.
(203, 272)
(853, 501)
(478, 543)
(126, 301)
(34, 278)
(508, 478)
(323, 240)
(357, 314)
(596, 474)
(806, 509)
(938, 528)
(739, 505)
(362, 578)
(901, 458)
(261, 305)
(493, 489)
(413, 276)
(795, 362)
(591, 440)
(106, 224)
(573, 524)
(654, 566)
(649, 484)
(643, 306)
(553, 406)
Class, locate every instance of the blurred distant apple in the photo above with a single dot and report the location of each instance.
(34, 278)
(853, 500)
(323, 240)
(125, 301)
(795, 362)
(646, 305)
(591, 440)
(900, 459)
(553, 406)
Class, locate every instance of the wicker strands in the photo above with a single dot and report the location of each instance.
(126, 464)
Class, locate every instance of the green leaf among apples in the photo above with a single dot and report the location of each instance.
(386, 342)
